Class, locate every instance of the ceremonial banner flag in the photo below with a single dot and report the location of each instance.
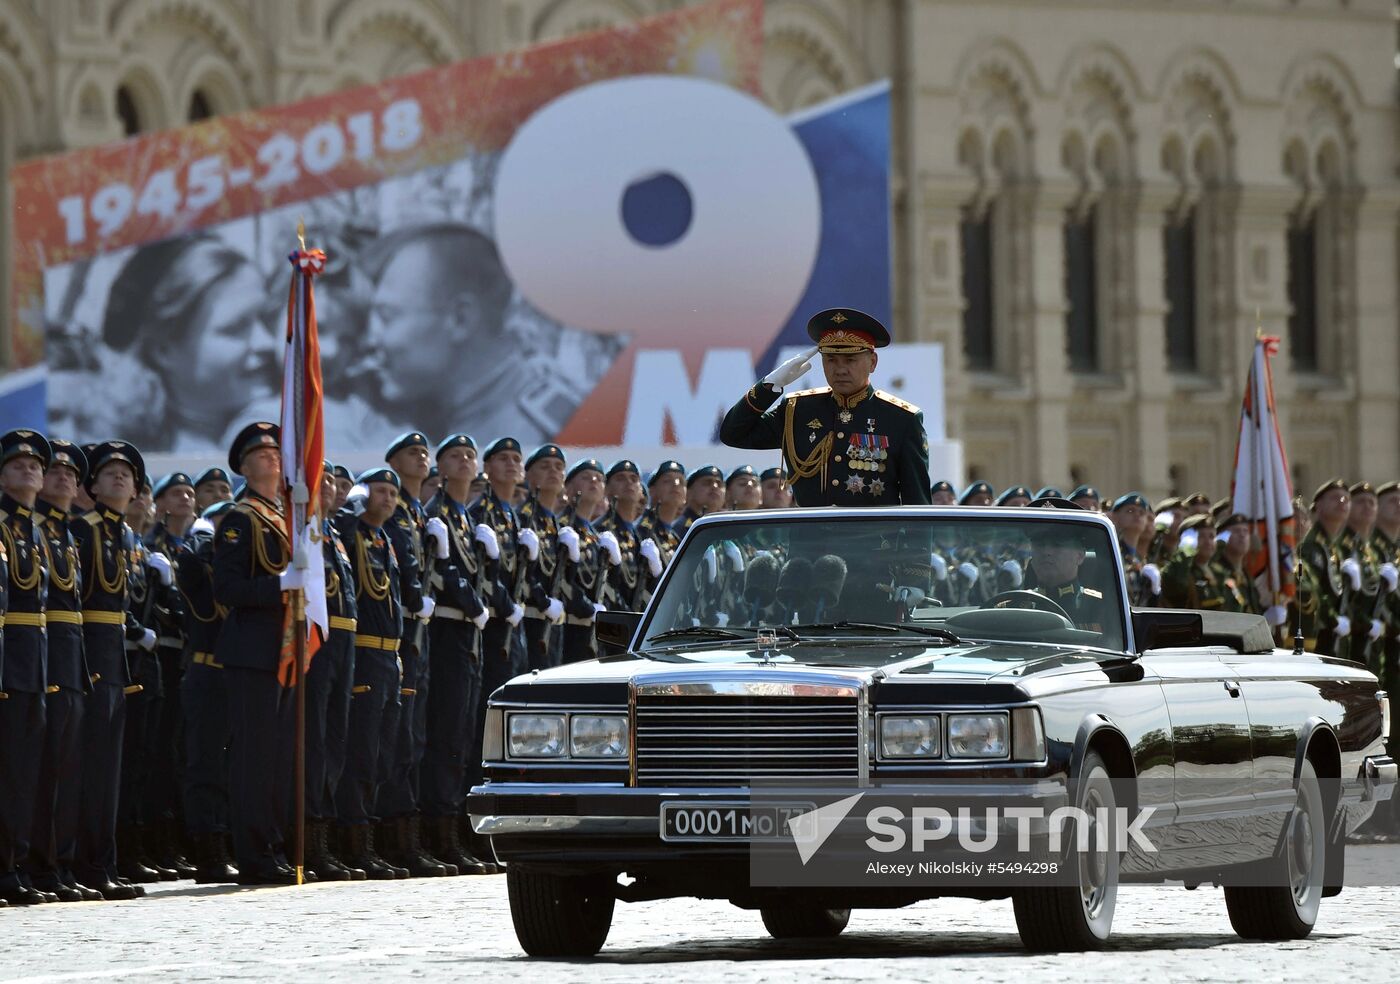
(1262, 490)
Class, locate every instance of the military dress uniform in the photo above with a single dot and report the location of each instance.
(626, 581)
(688, 516)
(54, 843)
(1367, 599)
(868, 449)
(585, 580)
(23, 674)
(1326, 597)
(541, 648)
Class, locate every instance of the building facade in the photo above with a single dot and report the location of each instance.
(1096, 202)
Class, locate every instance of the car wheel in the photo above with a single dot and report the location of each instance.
(559, 915)
(794, 921)
(1286, 909)
(1077, 917)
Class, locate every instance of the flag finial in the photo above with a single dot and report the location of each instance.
(1258, 321)
(301, 233)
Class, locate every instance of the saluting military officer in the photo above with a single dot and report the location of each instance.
(1327, 605)
(544, 473)
(53, 848)
(846, 443)
(23, 673)
(106, 546)
(252, 573)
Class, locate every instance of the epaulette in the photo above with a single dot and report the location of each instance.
(92, 517)
(902, 404)
(810, 392)
(1092, 593)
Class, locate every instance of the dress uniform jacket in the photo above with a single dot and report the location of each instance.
(250, 552)
(204, 695)
(546, 578)
(105, 545)
(583, 585)
(1328, 595)
(455, 580)
(25, 669)
(67, 664)
(1367, 601)
(867, 450)
(1187, 584)
(626, 582)
(651, 527)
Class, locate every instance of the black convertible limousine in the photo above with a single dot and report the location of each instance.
(813, 646)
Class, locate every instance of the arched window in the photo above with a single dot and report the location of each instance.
(127, 113)
(199, 107)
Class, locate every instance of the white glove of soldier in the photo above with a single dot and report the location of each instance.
(1153, 576)
(791, 370)
(554, 611)
(1377, 627)
(201, 525)
(436, 530)
(1164, 520)
(735, 558)
(530, 540)
(1353, 572)
(711, 565)
(568, 536)
(1343, 627)
(426, 612)
(481, 620)
(608, 542)
(652, 554)
(598, 608)
(1013, 572)
(148, 640)
(1276, 615)
(1390, 576)
(160, 563)
(969, 571)
(291, 579)
(910, 597)
(940, 567)
(486, 536)
(721, 619)
(516, 614)
(1222, 538)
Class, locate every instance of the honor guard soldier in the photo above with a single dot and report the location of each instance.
(627, 581)
(252, 555)
(588, 552)
(1233, 533)
(1086, 497)
(1361, 566)
(777, 492)
(846, 443)
(977, 494)
(544, 474)
(704, 494)
(344, 482)
(497, 529)
(454, 654)
(204, 697)
(1327, 609)
(329, 683)
(106, 546)
(408, 456)
(741, 489)
(378, 672)
(23, 673)
(943, 494)
(666, 490)
(1189, 580)
(1016, 495)
(1386, 542)
(53, 849)
(210, 486)
(1131, 514)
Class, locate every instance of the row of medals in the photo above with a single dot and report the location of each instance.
(867, 459)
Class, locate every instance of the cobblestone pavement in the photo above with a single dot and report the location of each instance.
(459, 928)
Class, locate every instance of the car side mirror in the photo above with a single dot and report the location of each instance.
(1157, 628)
(616, 629)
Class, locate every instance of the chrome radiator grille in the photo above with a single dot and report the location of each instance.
(730, 740)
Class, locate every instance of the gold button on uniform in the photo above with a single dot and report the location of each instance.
(835, 482)
(838, 458)
(840, 434)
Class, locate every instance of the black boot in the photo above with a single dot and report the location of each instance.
(130, 865)
(411, 838)
(442, 832)
(167, 848)
(51, 883)
(318, 860)
(360, 853)
(332, 848)
(480, 848)
(102, 883)
(214, 867)
(88, 894)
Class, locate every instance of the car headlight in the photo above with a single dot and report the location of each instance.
(909, 737)
(598, 736)
(977, 736)
(535, 735)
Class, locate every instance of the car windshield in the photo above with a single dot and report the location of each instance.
(1042, 579)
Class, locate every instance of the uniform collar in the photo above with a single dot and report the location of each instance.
(49, 510)
(853, 401)
(110, 514)
(274, 503)
(1066, 589)
(11, 505)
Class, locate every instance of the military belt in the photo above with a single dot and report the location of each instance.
(532, 612)
(206, 659)
(27, 618)
(170, 642)
(62, 617)
(343, 623)
(96, 617)
(450, 613)
(384, 643)
(579, 620)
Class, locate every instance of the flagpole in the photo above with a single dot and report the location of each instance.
(300, 497)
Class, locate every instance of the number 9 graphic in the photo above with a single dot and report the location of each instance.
(677, 211)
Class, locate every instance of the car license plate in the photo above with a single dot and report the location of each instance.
(737, 821)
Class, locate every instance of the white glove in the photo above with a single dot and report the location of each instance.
(516, 614)
(291, 579)
(1276, 615)
(791, 370)
(554, 611)
(1013, 571)
(711, 565)
(969, 571)
(160, 563)
(201, 525)
(1222, 537)
(426, 611)
(530, 540)
(1377, 627)
(1390, 576)
(1343, 626)
(735, 558)
(1153, 577)
(1187, 543)
(486, 536)
(608, 542)
(481, 620)
(910, 597)
(148, 640)
(1164, 520)
(940, 567)
(721, 619)
(568, 536)
(436, 530)
(1353, 572)
(652, 554)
